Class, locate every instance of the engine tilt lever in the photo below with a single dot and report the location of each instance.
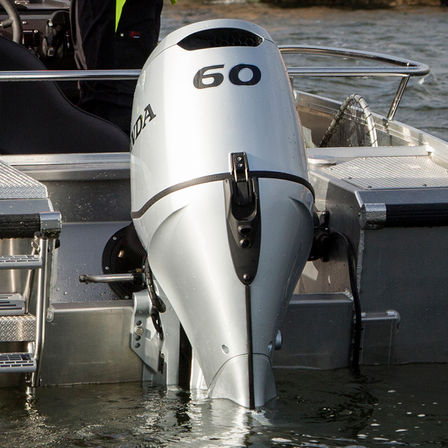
(244, 193)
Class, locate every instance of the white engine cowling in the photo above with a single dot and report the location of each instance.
(220, 196)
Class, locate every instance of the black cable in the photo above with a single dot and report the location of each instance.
(357, 327)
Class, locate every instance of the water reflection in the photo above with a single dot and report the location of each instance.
(395, 406)
(207, 423)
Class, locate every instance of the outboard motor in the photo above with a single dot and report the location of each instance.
(220, 196)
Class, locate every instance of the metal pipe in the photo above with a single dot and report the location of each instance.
(68, 75)
(41, 306)
(341, 72)
(88, 75)
(29, 281)
(412, 68)
(397, 98)
(406, 67)
(107, 278)
(403, 68)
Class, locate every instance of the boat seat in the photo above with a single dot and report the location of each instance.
(36, 117)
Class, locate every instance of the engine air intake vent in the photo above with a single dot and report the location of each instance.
(220, 37)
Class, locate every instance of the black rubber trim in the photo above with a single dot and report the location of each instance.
(250, 348)
(282, 176)
(19, 226)
(216, 178)
(416, 215)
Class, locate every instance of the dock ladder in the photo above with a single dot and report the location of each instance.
(29, 229)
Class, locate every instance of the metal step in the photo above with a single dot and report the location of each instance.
(17, 363)
(17, 328)
(20, 262)
(12, 304)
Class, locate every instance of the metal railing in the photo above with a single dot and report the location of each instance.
(402, 68)
(69, 75)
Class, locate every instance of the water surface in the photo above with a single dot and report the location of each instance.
(414, 33)
(381, 407)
